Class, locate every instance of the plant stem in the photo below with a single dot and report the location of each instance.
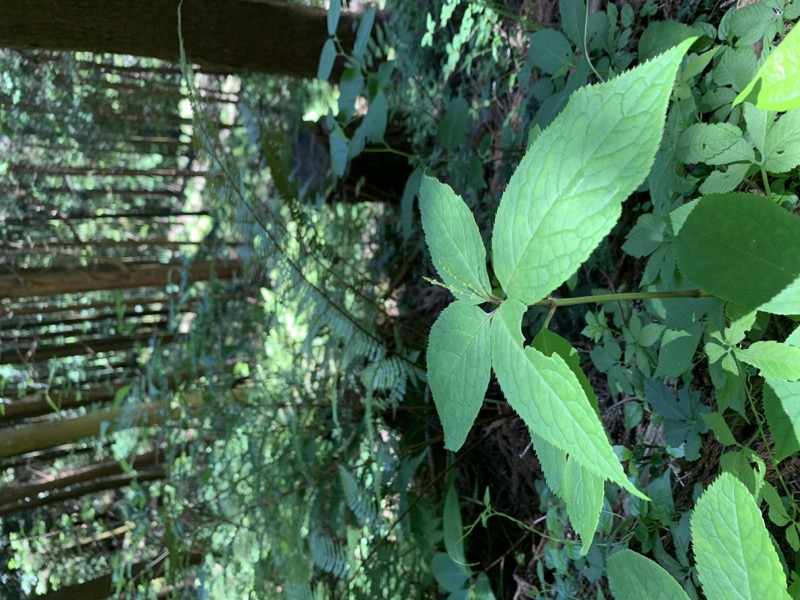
(766, 181)
(556, 302)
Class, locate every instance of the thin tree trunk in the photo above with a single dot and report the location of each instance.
(51, 282)
(270, 36)
(102, 587)
(16, 492)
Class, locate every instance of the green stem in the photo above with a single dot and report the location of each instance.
(556, 302)
(766, 181)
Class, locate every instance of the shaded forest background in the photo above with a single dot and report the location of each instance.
(214, 307)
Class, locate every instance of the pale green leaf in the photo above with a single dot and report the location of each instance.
(553, 462)
(548, 343)
(448, 573)
(374, 123)
(713, 144)
(339, 149)
(735, 68)
(782, 148)
(583, 495)
(567, 192)
(742, 248)
(749, 23)
(773, 359)
(636, 577)
(459, 362)
(334, 10)
(547, 395)
(759, 122)
(776, 85)
(455, 243)
(364, 31)
(728, 180)
(452, 529)
(326, 60)
(733, 552)
(782, 409)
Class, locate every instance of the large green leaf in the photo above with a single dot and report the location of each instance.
(547, 395)
(782, 409)
(459, 362)
(548, 343)
(553, 462)
(733, 552)
(636, 577)
(773, 359)
(567, 192)
(581, 490)
(776, 85)
(743, 248)
(456, 247)
(583, 495)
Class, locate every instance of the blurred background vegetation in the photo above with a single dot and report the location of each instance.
(213, 302)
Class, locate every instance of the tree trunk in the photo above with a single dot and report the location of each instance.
(52, 282)
(103, 587)
(270, 36)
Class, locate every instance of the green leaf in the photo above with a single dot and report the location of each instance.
(573, 19)
(549, 343)
(453, 125)
(677, 350)
(749, 24)
(733, 552)
(373, 126)
(777, 511)
(773, 359)
(350, 87)
(728, 180)
(326, 60)
(407, 203)
(553, 462)
(713, 144)
(735, 67)
(776, 85)
(567, 192)
(550, 51)
(455, 243)
(645, 236)
(636, 577)
(448, 573)
(583, 494)
(547, 395)
(339, 150)
(716, 423)
(459, 362)
(452, 528)
(782, 146)
(334, 9)
(782, 409)
(483, 588)
(363, 33)
(742, 248)
(581, 490)
(660, 36)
